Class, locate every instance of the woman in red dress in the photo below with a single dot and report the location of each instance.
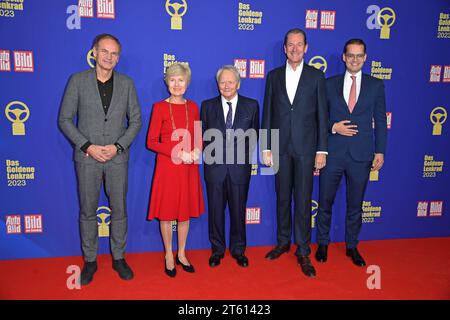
(177, 191)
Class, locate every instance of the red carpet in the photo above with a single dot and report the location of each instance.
(410, 269)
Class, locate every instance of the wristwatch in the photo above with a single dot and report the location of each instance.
(119, 148)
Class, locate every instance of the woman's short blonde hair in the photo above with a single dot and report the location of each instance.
(177, 69)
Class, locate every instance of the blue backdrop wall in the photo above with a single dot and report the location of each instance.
(43, 42)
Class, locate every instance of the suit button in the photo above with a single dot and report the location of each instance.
(106, 120)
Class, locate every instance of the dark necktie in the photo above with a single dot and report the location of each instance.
(229, 121)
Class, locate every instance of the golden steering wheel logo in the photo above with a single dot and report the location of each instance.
(17, 112)
(103, 221)
(90, 58)
(176, 23)
(319, 63)
(437, 117)
(385, 18)
(314, 210)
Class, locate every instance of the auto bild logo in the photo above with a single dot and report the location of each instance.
(5, 60)
(241, 66)
(256, 68)
(429, 208)
(105, 9)
(327, 19)
(13, 224)
(86, 8)
(436, 71)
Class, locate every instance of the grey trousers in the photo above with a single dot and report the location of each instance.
(115, 179)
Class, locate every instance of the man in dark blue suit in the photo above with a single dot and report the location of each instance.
(295, 104)
(355, 146)
(233, 121)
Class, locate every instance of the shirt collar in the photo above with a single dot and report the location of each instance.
(358, 74)
(299, 67)
(233, 101)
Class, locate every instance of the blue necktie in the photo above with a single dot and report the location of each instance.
(229, 121)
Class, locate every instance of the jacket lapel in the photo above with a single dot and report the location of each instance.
(219, 115)
(362, 91)
(282, 81)
(240, 112)
(301, 84)
(116, 93)
(98, 101)
(340, 91)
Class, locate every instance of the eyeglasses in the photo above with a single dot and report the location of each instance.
(359, 56)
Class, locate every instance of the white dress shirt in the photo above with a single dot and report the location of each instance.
(348, 84)
(225, 108)
(292, 80)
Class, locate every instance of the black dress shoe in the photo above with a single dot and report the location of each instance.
(356, 257)
(87, 274)
(307, 267)
(214, 260)
(123, 269)
(241, 260)
(187, 268)
(322, 253)
(171, 273)
(276, 252)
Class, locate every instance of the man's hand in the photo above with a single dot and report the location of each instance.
(110, 151)
(321, 160)
(377, 162)
(97, 152)
(267, 158)
(346, 130)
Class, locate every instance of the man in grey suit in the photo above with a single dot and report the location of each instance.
(102, 100)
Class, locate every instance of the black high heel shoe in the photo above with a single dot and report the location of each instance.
(189, 268)
(171, 273)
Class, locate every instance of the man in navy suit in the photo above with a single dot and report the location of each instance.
(233, 121)
(295, 104)
(355, 146)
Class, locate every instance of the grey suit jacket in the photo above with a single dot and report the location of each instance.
(82, 100)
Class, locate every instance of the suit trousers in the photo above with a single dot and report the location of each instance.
(219, 194)
(356, 178)
(90, 179)
(295, 175)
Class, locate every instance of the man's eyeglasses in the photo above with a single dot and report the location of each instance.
(359, 56)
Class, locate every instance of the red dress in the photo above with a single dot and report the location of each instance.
(177, 191)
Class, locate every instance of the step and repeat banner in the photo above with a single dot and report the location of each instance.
(43, 42)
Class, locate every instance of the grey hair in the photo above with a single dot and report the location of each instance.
(231, 68)
(178, 69)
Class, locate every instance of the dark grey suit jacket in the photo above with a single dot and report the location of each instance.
(82, 100)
